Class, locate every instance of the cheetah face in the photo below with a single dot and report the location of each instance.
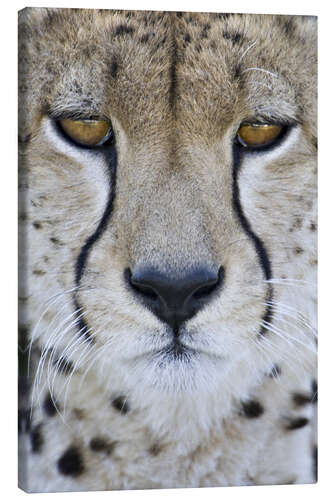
(172, 240)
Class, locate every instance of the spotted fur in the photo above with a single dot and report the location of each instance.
(112, 405)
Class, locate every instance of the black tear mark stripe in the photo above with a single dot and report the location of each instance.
(82, 259)
(85, 250)
(258, 243)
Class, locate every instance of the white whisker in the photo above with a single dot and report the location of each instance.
(288, 338)
(246, 51)
(54, 300)
(261, 69)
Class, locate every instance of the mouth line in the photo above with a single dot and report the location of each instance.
(177, 351)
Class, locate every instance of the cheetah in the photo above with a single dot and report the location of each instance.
(167, 249)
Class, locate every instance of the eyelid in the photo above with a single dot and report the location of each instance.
(285, 121)
(76, 115)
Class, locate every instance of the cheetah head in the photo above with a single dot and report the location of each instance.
(171, 193)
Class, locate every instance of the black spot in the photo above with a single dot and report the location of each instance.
(300, 399)
(179, 14)
(71, 462)
(204, 32)
(56, 242)
(78, 413)
(237, 72)
(213, 45)
(23, 217)
(123, 29)
(25, 139)
(252, 409)
(187, 38)
(297, 423)
(101, 445)
(38, 272)
(49, 406)
(298, 250)
(23, 333)
(65, 366)
(314, 398)
(160, 43)
(275, 372)
(296, 225)
(223, 16)
(145, 38)
(37, 225)
(155, 449)
(114, 68)
(36, 438)
(77, 87)
(237, 38)
(120, 404)
(233, 37)
(313, 226)
(289, 27)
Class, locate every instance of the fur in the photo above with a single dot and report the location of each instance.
(176, 89)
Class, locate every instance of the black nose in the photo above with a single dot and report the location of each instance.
(175, 300)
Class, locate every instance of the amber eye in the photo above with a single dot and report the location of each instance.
(256, 136)
(87, 132)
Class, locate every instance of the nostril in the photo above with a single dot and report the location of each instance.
(206, 290)
(145, 290)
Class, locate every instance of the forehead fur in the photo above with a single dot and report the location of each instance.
(108, 62)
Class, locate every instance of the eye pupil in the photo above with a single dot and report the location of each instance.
(88, 132)
(256, 135)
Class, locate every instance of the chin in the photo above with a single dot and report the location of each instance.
(176, 370)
